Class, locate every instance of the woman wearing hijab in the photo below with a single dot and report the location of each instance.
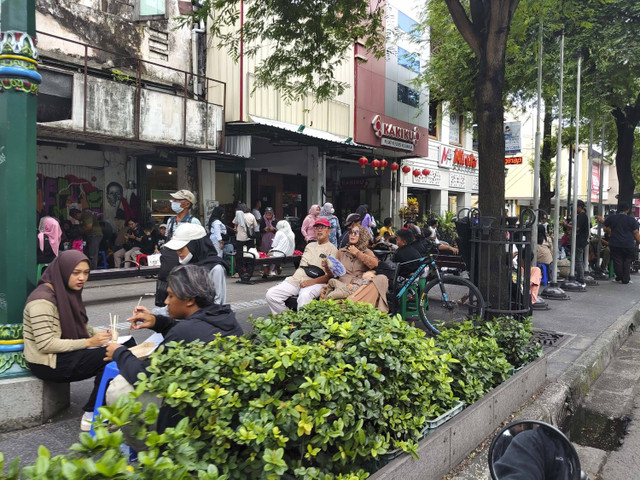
(59, 346)
(268, 229)
(283, 244)
(244, 224)
(359, 282)
(193, 247)
(48, 240)
(327, 212)
(308, 231)
(217, 229)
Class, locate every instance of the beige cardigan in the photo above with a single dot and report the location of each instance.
(42, 334)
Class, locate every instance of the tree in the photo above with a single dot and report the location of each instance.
(305, 40)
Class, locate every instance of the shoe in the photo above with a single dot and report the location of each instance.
(264, 275)
(627, 283)
(273, 274)
(86, 421)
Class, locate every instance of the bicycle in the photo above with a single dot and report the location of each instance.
(446, 299)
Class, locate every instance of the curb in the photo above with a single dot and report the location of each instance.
(571, 387)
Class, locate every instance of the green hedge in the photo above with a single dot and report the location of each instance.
(314, 394)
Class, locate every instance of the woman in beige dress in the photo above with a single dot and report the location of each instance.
(359, 282)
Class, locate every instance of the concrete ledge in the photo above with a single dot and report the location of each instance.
(28, 402)
(452, 442)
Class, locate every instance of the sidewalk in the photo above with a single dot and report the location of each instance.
(582, 320)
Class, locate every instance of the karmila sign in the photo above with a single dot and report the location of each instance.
(450, 157)
(395, 136)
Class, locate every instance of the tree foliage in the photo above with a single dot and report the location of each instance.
(306, 40)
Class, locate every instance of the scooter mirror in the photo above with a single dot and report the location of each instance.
(532, 450)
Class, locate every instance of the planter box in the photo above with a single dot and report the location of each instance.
(448, 445)
(436, 422)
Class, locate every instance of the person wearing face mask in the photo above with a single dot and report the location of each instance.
(183, 201)
(326, 211)
(193, 247)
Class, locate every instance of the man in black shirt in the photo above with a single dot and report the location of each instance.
(406, 252)
(622, 241)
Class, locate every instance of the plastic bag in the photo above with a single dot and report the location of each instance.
(153, 260)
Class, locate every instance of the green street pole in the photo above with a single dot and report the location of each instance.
(19, 82)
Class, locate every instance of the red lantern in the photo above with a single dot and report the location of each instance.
(383, 163)
(406, 169)
(363, 162)
(416, 173)
(425, 172)
(394, 167)
(375, 163)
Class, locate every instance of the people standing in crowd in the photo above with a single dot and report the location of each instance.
(49, 240)
(544, 251)
(386, 227)
(59, 346)
(245, 225)
(75, 216)
(307, 229)
(622, 241)
(92, 232)
(131, 247)
(306, 287)
(359, 283)
(353, 220)
(326, 211)
(365, 218)
(582, 239)
(431, 230)
(256, 210)
(601, 262)
(193, 247)
(283, 245)
(217, 229)
(267, 229)
(412, 225)
(192, 314)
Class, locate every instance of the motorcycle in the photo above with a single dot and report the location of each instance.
(533, 450)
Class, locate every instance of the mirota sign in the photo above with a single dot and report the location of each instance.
(394, 135)
(450, 157)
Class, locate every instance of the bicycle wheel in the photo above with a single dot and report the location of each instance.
(457, 300)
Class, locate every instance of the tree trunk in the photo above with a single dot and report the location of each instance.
(626, 123)
(545, 161)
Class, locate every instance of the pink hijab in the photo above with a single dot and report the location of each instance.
(51, 228)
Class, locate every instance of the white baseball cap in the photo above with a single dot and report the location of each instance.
(184, 234)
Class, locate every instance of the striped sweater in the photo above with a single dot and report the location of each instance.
(42, 334)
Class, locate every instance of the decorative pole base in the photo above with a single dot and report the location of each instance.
(12, 362)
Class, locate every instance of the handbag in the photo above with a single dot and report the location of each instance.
(312, 271)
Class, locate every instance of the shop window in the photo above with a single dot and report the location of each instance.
(151, 9)
(455, 128)
(408, 60)
(408, 25)
(434, 119)
(408, 96)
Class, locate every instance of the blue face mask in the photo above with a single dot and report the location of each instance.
(175, 206)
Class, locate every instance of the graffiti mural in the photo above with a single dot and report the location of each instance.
(55, 196)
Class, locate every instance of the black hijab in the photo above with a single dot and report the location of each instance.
(54, 287)
(205, 254)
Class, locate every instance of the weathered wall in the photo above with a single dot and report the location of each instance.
(111, 24)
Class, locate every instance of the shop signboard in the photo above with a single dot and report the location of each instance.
(446, 156)
(475, 184)
(392, 135)
(450, 157)
(512, 142)
(432, 179)
(457, 180)
(390, 142)
(513, 161)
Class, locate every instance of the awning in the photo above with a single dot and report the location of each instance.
(288, 132)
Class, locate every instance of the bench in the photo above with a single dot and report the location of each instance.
(111, 273)
(455, 262)
(246, 264)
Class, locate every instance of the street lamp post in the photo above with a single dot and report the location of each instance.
(19, 83)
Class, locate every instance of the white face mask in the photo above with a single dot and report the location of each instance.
(187, 259)
(332, 210)
(175, 206)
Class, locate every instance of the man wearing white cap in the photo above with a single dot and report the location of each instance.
(192, 246)
(181, 204)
